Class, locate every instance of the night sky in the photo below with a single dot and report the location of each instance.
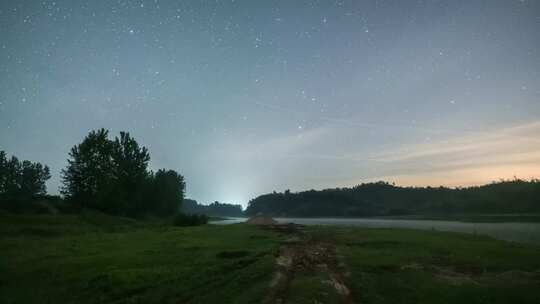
(247, 97)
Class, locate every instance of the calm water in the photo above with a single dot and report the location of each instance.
(518, 232)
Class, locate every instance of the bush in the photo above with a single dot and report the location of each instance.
(190, 220)
(38, 204)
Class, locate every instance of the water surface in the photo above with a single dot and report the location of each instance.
(517, 232)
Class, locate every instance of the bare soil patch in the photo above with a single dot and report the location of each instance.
(300, 252)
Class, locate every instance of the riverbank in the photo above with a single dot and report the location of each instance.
(93, 259)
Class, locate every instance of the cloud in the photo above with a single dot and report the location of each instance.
(505, 142)
(466, 160)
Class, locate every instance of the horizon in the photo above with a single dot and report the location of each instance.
(494, 182)
(246, 98)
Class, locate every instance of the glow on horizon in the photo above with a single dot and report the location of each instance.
(471, 159)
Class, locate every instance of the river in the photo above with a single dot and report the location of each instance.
(517, 232)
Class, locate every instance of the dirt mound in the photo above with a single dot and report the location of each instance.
(261, 220)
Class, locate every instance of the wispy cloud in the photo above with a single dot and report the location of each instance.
(508, 141)
(469, 159)
(333, 155)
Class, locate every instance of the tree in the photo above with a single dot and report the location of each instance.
(12, 176)
(169, 190)
(89, 174)
(130, 174)
(3, 171)
(113, 176)
(33, 178)
(18, 179)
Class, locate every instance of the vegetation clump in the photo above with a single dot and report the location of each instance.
(190, 219)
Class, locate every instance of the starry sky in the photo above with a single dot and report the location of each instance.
(247, 97)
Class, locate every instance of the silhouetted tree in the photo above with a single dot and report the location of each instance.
(113, 176)
(381, 198)
(3, 171)
(88, 178)
(214, 209)
(169, 190)
(34, 176)
(24, 178)
(130, 174)
(12, 177)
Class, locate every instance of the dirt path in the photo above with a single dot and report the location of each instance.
(302, 253)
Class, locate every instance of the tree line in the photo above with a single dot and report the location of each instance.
(109, 175)
(215, 209)
(382, 198)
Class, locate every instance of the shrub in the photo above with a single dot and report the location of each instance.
(190, 219)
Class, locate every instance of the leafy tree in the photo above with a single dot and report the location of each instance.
(130, 174)
(12, 176)
(113, 176)
(131, 161)
(18, 179)
(88, 178)
(169, 190)
(33, 178)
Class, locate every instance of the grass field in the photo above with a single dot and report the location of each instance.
(94, 258)
(411, 266)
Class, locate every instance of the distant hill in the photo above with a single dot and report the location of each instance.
(215, 209)
(382, 199)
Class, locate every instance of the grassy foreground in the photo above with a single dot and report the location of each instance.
(413, 266)
(95, 259)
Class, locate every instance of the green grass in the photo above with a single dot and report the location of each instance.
(74, 259)
(412, 266)
(94, 258)
(308, 289)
